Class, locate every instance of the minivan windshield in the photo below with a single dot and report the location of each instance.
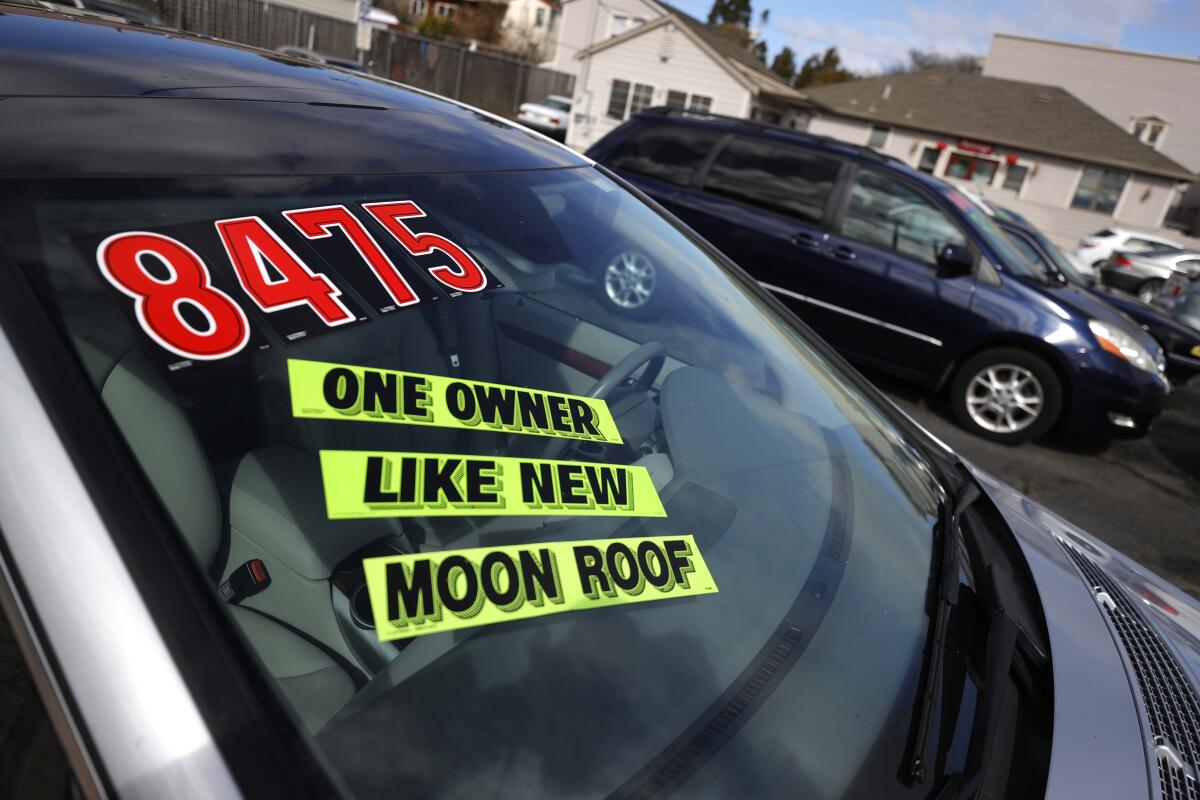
(1011, 260)
(552, 503)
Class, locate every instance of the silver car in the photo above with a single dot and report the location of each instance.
(1145, 274)
(318, 481)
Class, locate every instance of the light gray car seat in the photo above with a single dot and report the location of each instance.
(160, 436)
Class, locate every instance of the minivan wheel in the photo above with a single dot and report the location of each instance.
(1148, 291)
(1006, 395)
(628, 280)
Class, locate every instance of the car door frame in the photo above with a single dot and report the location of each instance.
(840, 201)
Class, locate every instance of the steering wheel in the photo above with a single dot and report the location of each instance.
(652, 354)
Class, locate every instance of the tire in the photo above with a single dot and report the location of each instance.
(628, 282)
(1148, 291)
(986, 401)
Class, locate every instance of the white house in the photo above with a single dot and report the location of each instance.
(583, 23)
(676, 61)
(530, 26)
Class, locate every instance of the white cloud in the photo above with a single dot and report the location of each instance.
(869, 44)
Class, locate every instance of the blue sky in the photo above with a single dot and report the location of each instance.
(872, 33)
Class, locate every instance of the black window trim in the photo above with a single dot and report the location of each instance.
(940, 203)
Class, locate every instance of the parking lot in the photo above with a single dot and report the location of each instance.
(1142, 497)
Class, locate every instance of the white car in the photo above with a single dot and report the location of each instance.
(1099, 246)
(549, 116)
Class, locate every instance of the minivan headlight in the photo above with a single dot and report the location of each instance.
(1116, 341)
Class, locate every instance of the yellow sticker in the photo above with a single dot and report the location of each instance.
(1196, 351)
(341, 391)
(362, 483)
(414, 595)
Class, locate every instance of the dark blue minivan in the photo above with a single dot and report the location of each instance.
(895, 268)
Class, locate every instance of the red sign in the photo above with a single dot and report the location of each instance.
(976, 147)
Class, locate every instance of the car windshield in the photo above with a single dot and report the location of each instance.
(432, 408)
(1011, 260)
(552, 102)
(1060, 261)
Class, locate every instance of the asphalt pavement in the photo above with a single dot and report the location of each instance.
(1142, 497)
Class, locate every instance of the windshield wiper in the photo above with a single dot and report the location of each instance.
(947, 583)
(1007, 650)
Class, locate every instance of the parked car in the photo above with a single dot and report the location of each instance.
(1096, 248)
(898, 270)
(548, 116)
(1179, 342)
(1146, 274)
(853, 612)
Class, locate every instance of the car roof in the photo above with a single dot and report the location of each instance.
(1142, 234)
(87, 97)
(778, 133)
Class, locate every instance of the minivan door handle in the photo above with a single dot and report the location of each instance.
(808, 240)
(845, 252)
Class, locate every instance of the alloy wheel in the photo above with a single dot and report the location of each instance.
(629, 280)
(1004, 398)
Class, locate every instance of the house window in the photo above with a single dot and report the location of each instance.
(445, 10)
(541, 18)
(1099, 189)
(419, 8)
(642, 97)
(1014, 179)
(621, 23)
(929, 159)
(878, 137)
(1148, 130)
(676, 99)
(700, 103)
(971, 168)
(618, 98)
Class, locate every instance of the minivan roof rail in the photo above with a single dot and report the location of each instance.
(770, 127)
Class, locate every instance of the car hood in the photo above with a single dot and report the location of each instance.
(1102, 744)
(1087, 305)
(1143, 313)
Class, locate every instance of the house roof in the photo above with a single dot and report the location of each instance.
(1029, 116)
(737, 61)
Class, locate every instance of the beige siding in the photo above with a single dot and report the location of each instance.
(346, 10)
(1044, 198)
(1119, 84)
(640, 60)
(586, 22)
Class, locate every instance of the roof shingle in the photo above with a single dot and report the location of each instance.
(1029, 116)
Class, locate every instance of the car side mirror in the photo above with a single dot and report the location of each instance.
(956, 259)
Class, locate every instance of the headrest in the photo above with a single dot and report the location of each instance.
(162, 440)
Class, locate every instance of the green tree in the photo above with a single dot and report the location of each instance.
(784, 65)
(920, 60)
(735, 12)
(822, 69)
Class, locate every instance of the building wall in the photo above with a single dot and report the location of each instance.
(346, 10)
(1119, 84)
(686, 68)
(586, 22)
(521, 31)
(1044, 197)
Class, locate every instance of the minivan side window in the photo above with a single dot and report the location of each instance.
(668, 153)
(785, 180)
(886, 213)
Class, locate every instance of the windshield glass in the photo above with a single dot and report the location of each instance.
(559, 506)
(1011, 260)
(1060, 261)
